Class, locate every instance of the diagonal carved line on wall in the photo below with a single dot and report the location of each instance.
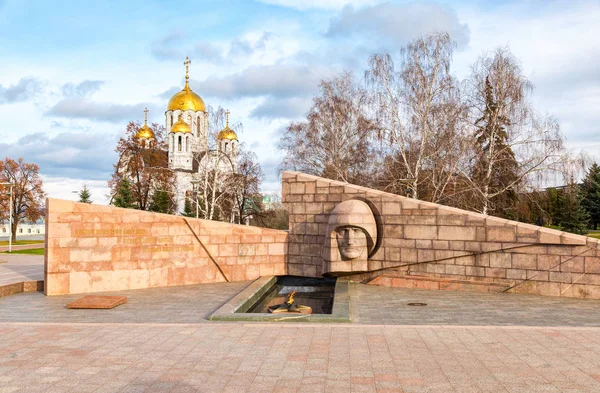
(580, 277)
(549, 269)
(205, 249)
(467, 254)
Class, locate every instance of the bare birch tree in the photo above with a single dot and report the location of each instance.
(214, 168)
(512, 144)
(419, 112)
(336, 139)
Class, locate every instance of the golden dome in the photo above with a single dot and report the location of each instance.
(227, 133)
(186, 99)
(181, 126)
(145, 131)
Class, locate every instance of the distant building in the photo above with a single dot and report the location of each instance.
(188, 154)
(24, 229)
(271, 200)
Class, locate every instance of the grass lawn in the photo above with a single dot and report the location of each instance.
(31, 251)
(21, 242)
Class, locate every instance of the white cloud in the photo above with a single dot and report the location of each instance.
(276, 80)
(23, 90)
(81, 108)
(82, 89)
(399, 23)
(319, 4)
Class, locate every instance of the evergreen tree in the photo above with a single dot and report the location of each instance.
(161, 202)
(495, 167)
(591, 190)
(188, 211)
(84, 195)
(123, 197)
(555, 205)
(574, 217)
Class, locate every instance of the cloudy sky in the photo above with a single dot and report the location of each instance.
(73, 73)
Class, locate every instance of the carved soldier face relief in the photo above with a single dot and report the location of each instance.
(351, 235)
(352, 242)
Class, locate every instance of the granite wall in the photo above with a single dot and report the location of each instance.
(429, 240)
(92, 248)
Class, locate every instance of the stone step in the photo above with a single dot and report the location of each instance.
(435, 283)
(23, 286)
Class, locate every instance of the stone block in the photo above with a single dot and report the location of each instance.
(476, 271)
(468, 260)
(495, 272)
(451, 219)
(559, 250)
(501, 234)
(391, 208)
(592, 264)
(548, 262)
(482, 260)
(423, 244)
(473, 246)
(440, 244)
(537, 275)
(503, 260)
(455, 270)
(57, 283)
(408, 255)
(297, 188)
(277, 249)
(393, 231)
(443, 254)
(420, 232)
(570, 238)
(560, 277)
(572, 264)
(393, 254)
(549, 236)
(516, 274)
(588, 279)
(425, 255)
(457, 245)
(524, 261)
(457, 233)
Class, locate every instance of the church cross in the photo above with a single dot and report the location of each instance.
(145, 115)
(227, 118)
(187, 63)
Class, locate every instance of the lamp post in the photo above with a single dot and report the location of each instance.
(10, 187)
(195, 191)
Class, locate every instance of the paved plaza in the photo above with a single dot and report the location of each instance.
(21, 267)
(161, 341)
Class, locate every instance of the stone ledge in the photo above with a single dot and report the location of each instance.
(234, 310)
(23, 286)
(434, 283)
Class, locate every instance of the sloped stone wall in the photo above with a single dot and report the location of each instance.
(91, 248)
(425, 239)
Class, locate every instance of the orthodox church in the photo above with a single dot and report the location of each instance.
(187, 132)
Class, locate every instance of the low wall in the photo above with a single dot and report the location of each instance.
(426, 239)
(92, 248)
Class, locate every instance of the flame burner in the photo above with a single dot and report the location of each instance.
(297, 295)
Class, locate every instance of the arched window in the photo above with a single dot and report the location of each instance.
(187, 143)
(198, 127)
(179, 148)
(143, 144)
